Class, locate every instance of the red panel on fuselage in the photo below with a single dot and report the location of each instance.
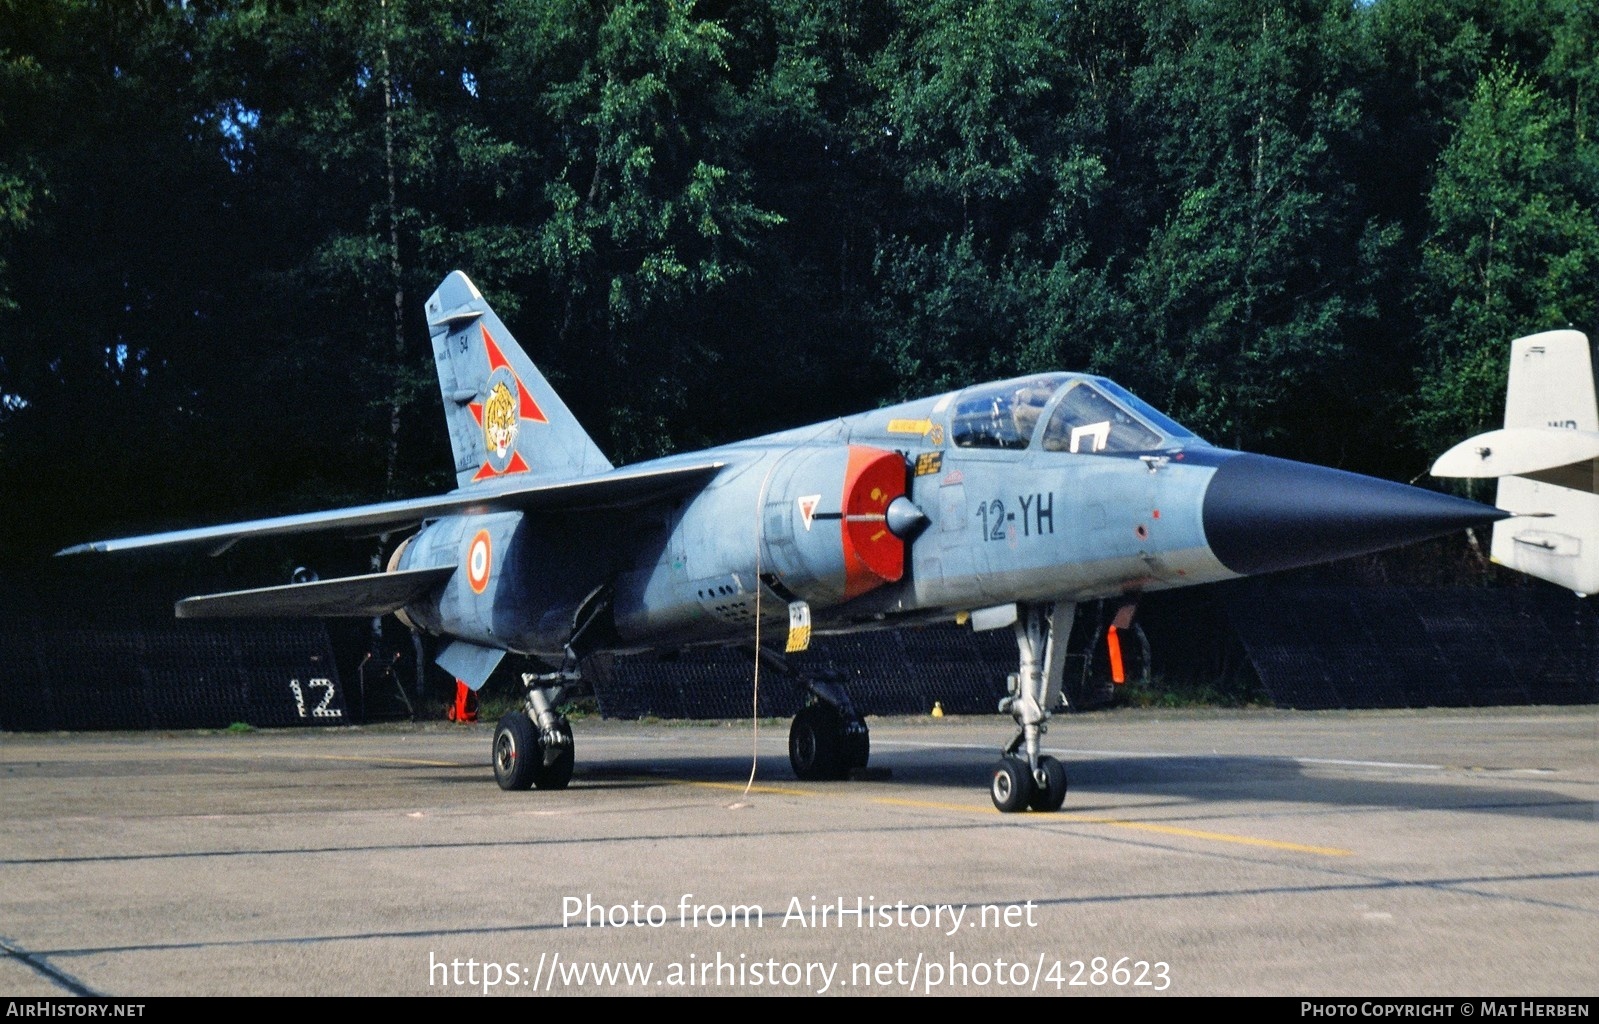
(872, 555)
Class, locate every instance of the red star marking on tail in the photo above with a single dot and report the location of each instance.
(527, 408)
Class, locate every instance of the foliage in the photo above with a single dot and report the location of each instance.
(1310, 227)
(1514, 248)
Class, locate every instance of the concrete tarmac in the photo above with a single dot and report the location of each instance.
(1364, 854)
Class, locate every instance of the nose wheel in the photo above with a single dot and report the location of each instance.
(1049, 785)
(1013, 787)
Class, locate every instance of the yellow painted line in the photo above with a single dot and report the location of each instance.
(1147, 826)
(1068, 817)
(739, 786)
(933, 804)
(1220, 837)
(375, 760)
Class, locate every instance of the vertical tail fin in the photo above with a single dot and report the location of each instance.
(1551, 386)
(504, 417)
(1546, 460)
(1551, 382)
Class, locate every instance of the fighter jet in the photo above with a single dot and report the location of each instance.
(1002, 505)
(1546, 459)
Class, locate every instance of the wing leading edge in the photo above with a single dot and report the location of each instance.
(617, 489)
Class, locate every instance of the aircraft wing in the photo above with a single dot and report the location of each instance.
(616, 489)
(1517, 451)
(351, 596)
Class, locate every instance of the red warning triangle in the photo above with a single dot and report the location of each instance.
(807, 507)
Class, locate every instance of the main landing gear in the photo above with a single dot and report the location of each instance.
(1024, 777)
(533, 747)
(828, 739)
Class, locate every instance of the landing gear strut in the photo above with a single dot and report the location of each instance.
(533, 747)
(1024, 777)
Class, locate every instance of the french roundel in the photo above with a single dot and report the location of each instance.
(477, 562)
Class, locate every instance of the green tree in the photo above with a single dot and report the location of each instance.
(118, 239)
(990, 128)
(1258, 275)
(353, 124)
(1513, 249)
(643, 209)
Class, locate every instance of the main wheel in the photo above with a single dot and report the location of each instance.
(816, 747)
(1011, 785)
(557, 775)
(516, 752)
(1052, 793)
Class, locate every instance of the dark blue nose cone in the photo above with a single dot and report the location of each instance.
(1263, 514)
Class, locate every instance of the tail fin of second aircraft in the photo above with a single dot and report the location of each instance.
(505, 419)
(1551, 383)
(1546, 459)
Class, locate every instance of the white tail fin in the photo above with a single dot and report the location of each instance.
(1551, 382)
(1546, 460)
(504, 418)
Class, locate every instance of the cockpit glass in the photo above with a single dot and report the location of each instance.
(1175, 432)
(1087, 420)
(1002, 415)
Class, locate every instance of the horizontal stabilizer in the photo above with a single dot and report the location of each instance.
(618, 488)
(1517, 451)
(352, 596)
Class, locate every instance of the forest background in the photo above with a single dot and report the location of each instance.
(1302, 227)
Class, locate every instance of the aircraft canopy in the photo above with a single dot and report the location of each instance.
(1080, 414)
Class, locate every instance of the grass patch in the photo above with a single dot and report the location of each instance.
(1179, 692)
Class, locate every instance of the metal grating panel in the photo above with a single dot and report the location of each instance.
(890, 672)
(1396, 647)
(111, 656)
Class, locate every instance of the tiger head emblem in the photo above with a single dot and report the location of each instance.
(500, 422)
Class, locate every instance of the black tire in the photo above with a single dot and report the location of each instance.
(1011, 785)
(557, 775)
(516, 752)
(816, 744)
(1052, 793)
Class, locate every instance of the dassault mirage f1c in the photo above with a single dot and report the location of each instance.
(1003, 504)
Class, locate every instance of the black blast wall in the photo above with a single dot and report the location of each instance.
(91, 650)
(889, 672)
(105, 652)
(1412, 647)
(1297, 644)
(886, 673)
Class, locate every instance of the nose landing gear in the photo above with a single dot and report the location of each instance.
(1024, 777)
